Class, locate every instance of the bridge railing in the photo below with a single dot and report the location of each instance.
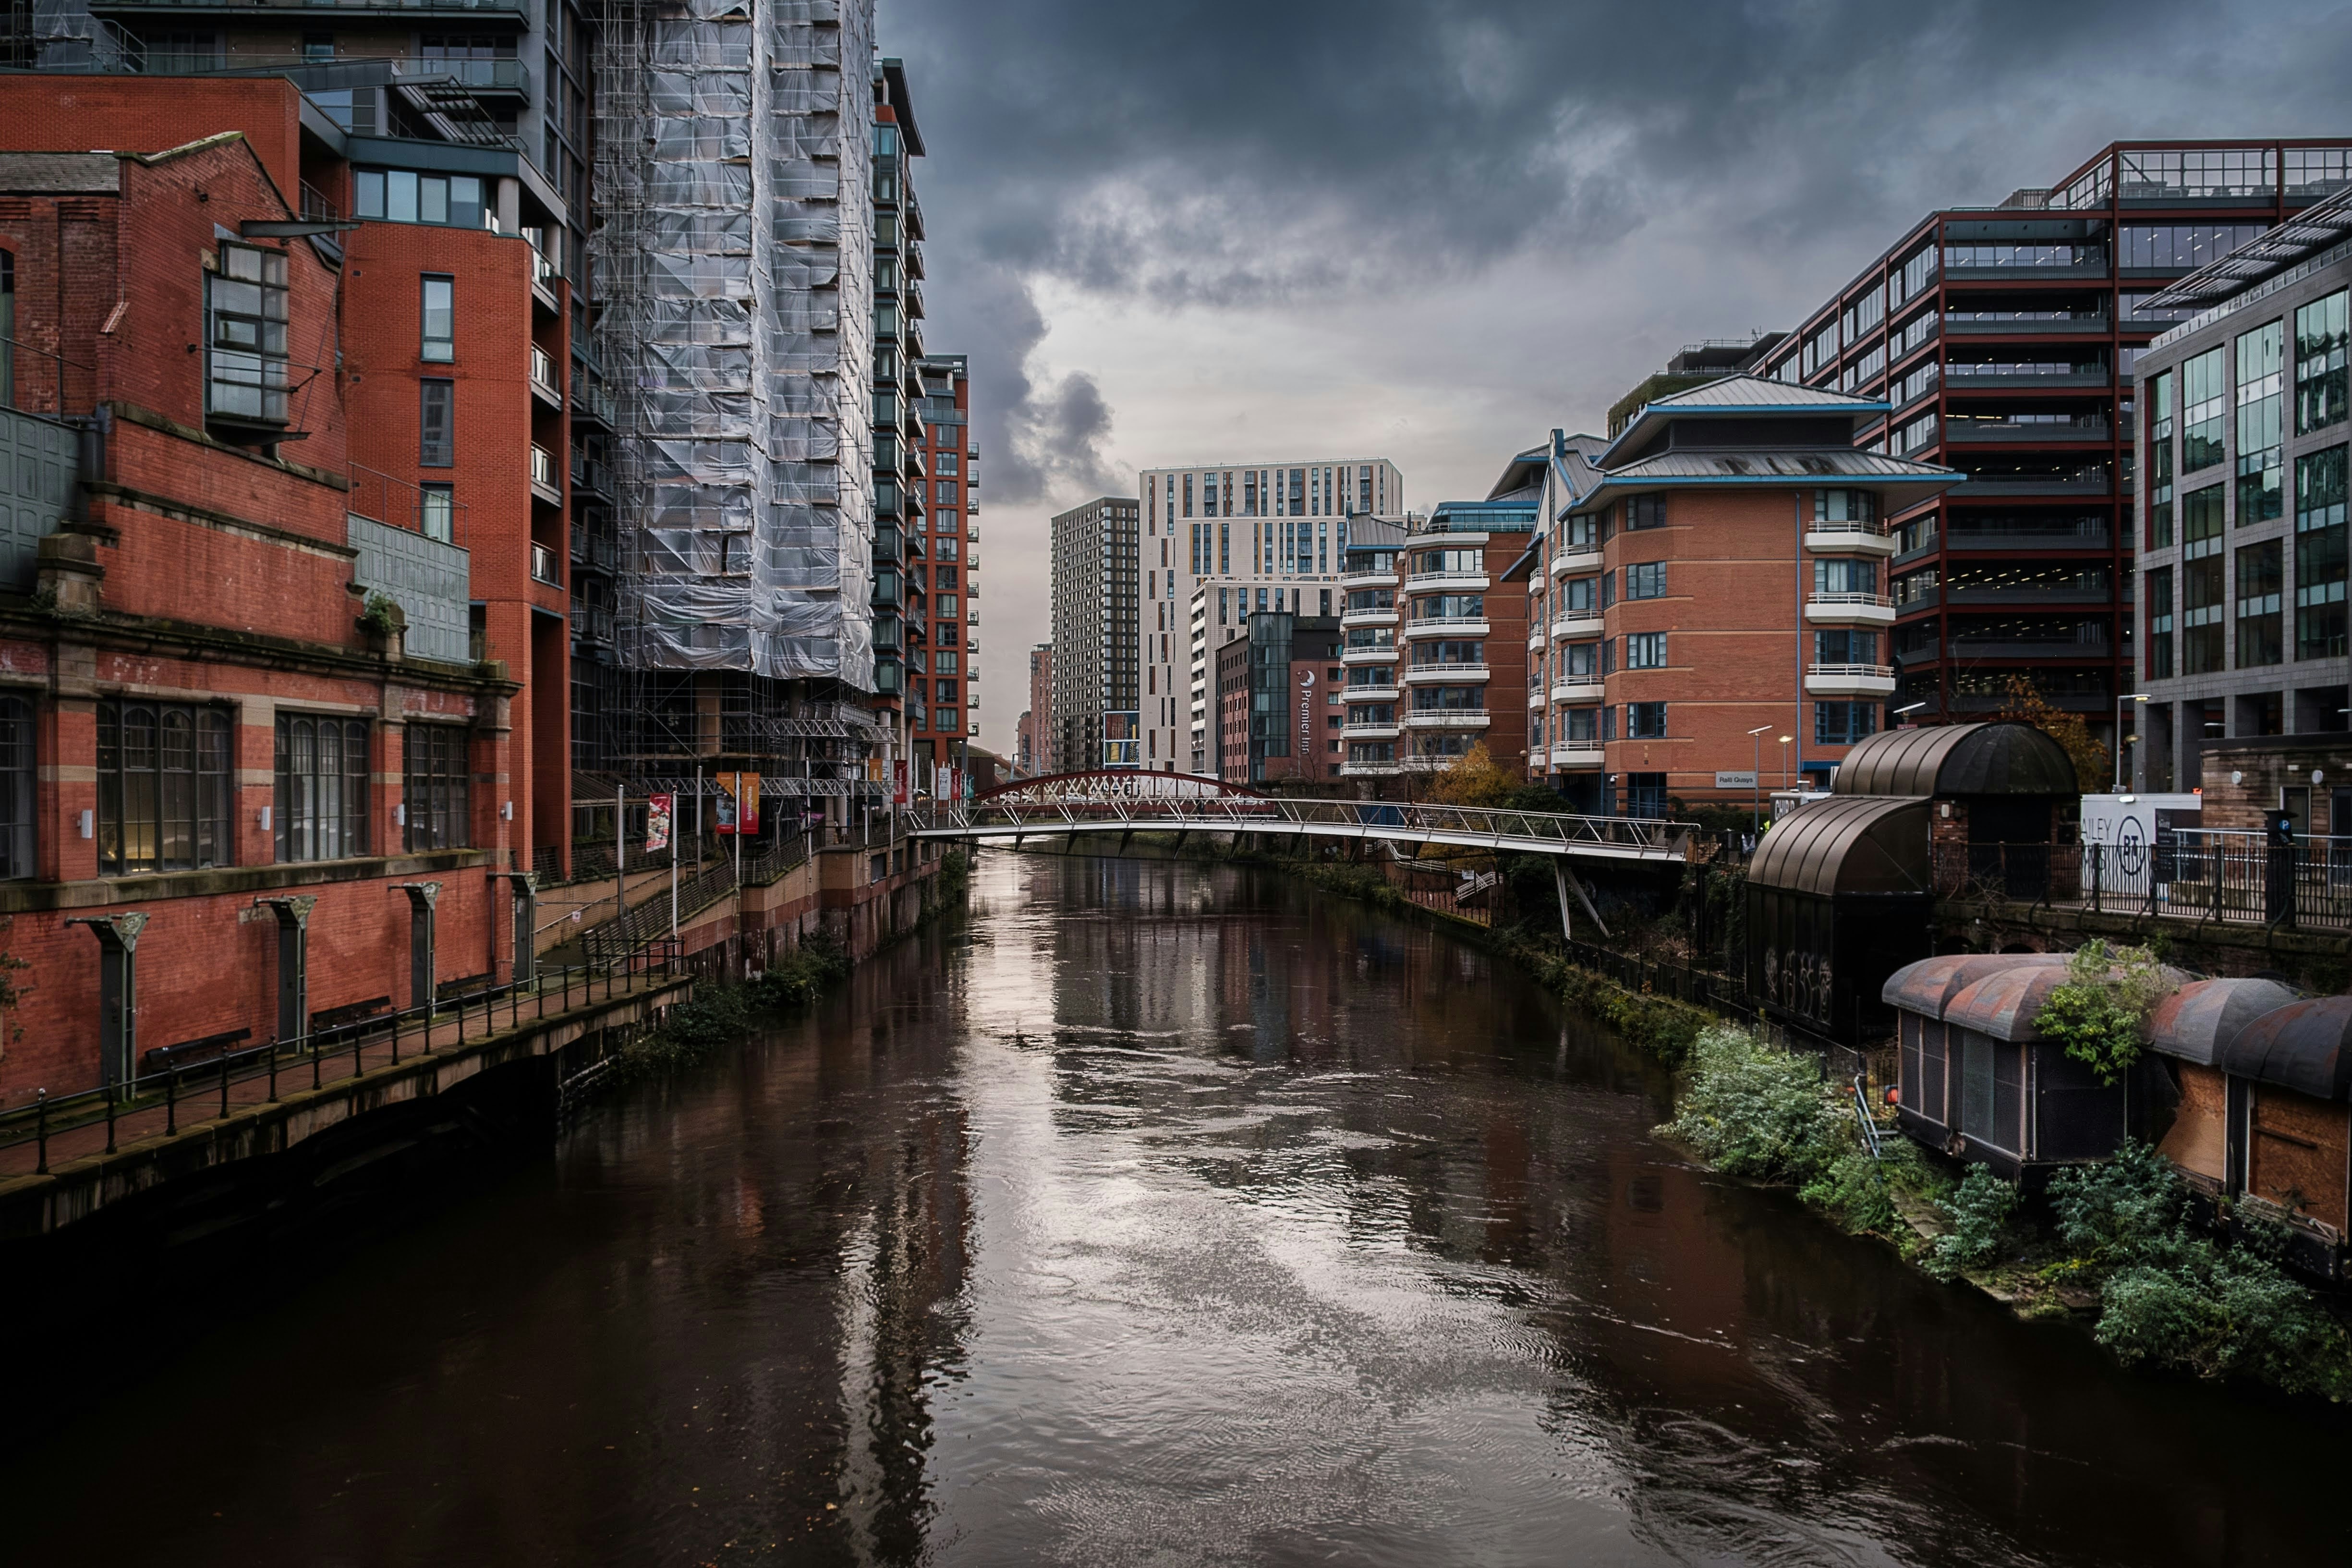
(1387, 819)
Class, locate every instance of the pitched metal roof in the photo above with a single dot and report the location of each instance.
(1746, 393)
(1928, 987)
(2304, 1045)
(2314, 229)
(1765, 464)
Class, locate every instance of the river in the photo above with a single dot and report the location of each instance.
(1153, 1213)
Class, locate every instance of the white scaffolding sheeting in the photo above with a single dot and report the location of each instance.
(733, 255)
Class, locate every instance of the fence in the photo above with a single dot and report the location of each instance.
(2205, 874)
(98, 1120)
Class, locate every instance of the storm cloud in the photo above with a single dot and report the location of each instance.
(1178, 232)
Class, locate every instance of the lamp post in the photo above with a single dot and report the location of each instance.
(1755, 779)
(1784, 760)
(1910, 708)
(2135, 697)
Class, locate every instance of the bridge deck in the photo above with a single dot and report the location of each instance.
(1469, 827)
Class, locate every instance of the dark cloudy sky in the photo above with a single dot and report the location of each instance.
(1198, 232)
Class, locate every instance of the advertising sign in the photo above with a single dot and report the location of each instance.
(1123, 740)
(657, 822)
(739, 802)
(2137, 835)
(899, 785)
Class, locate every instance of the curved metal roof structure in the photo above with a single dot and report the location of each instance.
(1871, 845)
(1929, 985)
(2302, 1047)
(2005, 1003)
(2197, 1021)
(2001, 757)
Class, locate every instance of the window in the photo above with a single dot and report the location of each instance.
(2204, 399)
(947, 547)
(2160, 462)
(1646, 512)
(16, 791)
(2157, 588)
(1645, 721)
(2319, 554)
(1846, 645)
(1845, 577)
(1580, 661)
(163, 788)
(1188, 495)
(2319, 379)
(1647, 581)
(2180, 246)
(2201, 614)
(947, 577)
(322, 779)
(435, 787)
(2261, 356)
(1580, 597)
(439, 314)
(946, 462)
(1583, 533)
(2200, 523)
(1843, 723)
(943, 492)
(1845, 506)
(245, 305)
(404, 195)
(436, 511)
(1645, 650)
(2261, 575)
(7, 329)
(436, 418)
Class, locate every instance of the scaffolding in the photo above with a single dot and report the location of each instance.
(733, 259)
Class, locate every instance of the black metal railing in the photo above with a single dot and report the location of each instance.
(101, 1120)
(2203, 874)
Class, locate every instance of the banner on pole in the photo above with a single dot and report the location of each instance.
(737, 802)
(898, 783)
(657, 823)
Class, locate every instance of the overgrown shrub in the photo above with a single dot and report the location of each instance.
(1978, 1209)
(716, 1016)
(2099, 1011)
(2172, 1298)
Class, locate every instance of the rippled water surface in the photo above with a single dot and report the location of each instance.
(1157, 1215)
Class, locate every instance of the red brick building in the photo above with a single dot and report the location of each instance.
(1716, 569)
(942, 719)
(285, 614)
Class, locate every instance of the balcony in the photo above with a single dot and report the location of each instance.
(542, 378)
(1576, 624)
(1446, 582)
(2027, 323)
(1387, 730)
(1849, 610)
(544, 567)
(589, 475)
(545, 483)
(1577, 690)
(1371, 770)
(1849, 538)
(1353, 579)
(1384, 654)
(1961, 376)
(1848, 681)
(1536, 638)
(1448, 719)
(1423, 626)
(1443, 674)
(2067, 537)
(1578, 754)
(1369, 693)
(1579, 560)
(1387, 617)
(592, 403)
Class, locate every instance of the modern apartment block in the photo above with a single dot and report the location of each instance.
(1096, 578)
(2241, 442)
(1279, 711)
(2004, 341)
(943, 699)
(1256, 525)
(1463, 653)
(1372, 727)
(1711, 571)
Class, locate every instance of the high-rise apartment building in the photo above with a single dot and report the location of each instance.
(1248, 526)
(2003, 340)
(1372, 727)
(1096, 722)
(943, 705)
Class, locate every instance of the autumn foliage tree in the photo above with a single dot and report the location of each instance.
(2024, 701)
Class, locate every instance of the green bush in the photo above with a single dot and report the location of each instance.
(1979, 1211)
(2175, 1299)
(2097, 1013)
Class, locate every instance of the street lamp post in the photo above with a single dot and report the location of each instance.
(2133, 697)
(1784, 760)
(1756, 779)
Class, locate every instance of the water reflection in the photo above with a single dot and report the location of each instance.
(1160, 1214)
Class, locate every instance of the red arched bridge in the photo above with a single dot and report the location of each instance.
(1126, 802)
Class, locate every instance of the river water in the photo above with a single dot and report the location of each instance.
(1155, 1213)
